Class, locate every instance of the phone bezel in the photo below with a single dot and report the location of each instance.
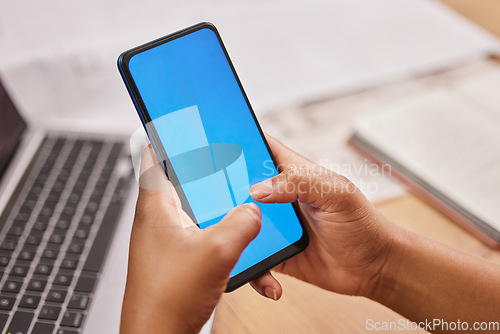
(263, 266)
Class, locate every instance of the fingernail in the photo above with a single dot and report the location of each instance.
(271, 293)
(255, 209)
(261, 190)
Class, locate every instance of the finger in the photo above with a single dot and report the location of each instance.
(158, 202)
(286, 157)
(233, 233)
(267, 286)
(316, 186)
(152, 176)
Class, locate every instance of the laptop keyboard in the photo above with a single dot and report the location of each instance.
(56, 232)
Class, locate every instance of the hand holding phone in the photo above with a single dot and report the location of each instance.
(168, 293)
(203, 129)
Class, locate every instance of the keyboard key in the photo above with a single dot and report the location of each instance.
(58, 186)
(70, 163)
(75, 150)
(22, 217)
(49, 312)
(33, 240)
(113, 155)
(66, 331)
(63, 279)
(75, 248)
(29, 301)
(4, 260)
(29, 204)
(12, 286)
(63, 224)
(56, 296)
(42, 177)
(92, 206)
(16, 230)
(6, 302)
(31, 196)
(37, 285)
(85, 284)
(49, 163)
(43, 328)
(91, 213)
(46, 213)
(99, 249)
(19, 271)
(8, 245)
(18, 224)
(120, 191)
(50, 254)
(74, 198)
(12, 238)
(87, 219)
(96, 146)
(26, 255)
(53, 198)
(98, 192)
(79, 302)
(43, 269)
(69, 264)
(20, 322)
(70, 210)
(72, 319)
(37, 189)
(3, 320)
(63, 175)
(67, 219)
(86, 170)
(81, 233)
(56, 238)
(57, 145)
(40, 226)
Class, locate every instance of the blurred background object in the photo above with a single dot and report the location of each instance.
(58, 59)
(286, 52)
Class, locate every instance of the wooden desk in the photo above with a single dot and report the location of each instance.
(307, 309)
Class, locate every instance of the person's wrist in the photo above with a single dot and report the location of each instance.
(141, 321)
(383, 280)
(149, 314)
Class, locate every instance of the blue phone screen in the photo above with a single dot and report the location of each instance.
(210, 136)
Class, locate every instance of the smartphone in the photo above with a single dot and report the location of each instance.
(204, 131)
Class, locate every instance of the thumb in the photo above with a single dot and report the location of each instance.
(153, 181)
(313, 185)
(233, 233)
(158, 195)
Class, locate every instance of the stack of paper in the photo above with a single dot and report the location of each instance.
(59, 57)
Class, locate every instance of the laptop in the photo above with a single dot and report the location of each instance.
(66, 209)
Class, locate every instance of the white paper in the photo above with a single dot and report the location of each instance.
(449, 140)
(321, 130)
(59, 56)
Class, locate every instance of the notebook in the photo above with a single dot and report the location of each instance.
(446, 147)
